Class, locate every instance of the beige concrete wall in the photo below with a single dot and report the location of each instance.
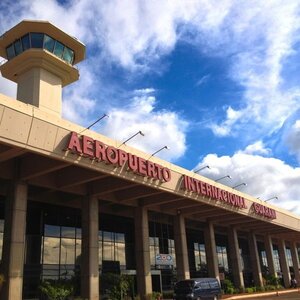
(30, 128)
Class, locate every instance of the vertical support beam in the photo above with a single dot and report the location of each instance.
(284, 264)
(295, 258)
(90, 249)
(235, 258)
(211, 251)
(142, 252)
(182, 261)
(256, 269)
(14, 241)
(270, 255)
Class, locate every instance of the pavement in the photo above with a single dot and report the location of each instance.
(291, 294)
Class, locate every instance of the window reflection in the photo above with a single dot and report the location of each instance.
(58, 49)
(51, 230)
(51, 250)
(112, 247)
(48, 43)
(200, 257)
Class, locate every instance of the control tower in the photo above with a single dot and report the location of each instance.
(40, 59)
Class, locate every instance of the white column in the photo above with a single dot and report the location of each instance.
(284, 265)
(211, 251)
(14, 241)
(256, 269)
(295, 258)
(90, 249)
(235, 258)
(142, 252)
(270, 255)
(182, 261)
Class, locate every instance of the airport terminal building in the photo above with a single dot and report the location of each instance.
(75, 203)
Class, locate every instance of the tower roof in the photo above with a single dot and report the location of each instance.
(36, 26)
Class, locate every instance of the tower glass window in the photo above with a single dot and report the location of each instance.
(37, 40)
(25, 42)
(18, 47)
(49, 43)
(58, 49)
(42, 41)
(10, 52)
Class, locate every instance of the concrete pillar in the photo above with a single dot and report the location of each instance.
(211, 251)
(142, 252)
(295, 258)
(255, 262)
(14, 241)
(90, 249)
(182, 261)
(270, 255)
(284, 264)
(235, 258)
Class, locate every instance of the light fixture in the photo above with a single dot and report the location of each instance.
(272, 198)
(139, 132)
(227, 176)
(205, 167)
(164, 147)
(104, 116)
(243, 183)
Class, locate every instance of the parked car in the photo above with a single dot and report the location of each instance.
(197, 289)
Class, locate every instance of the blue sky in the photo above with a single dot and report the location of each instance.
(216, 81)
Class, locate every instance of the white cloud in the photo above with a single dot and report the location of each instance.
(255, 37)
(161, 128)
(293, 139)
(256, 148)
(203, 80)
(265, 177)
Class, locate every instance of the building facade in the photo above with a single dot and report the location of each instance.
(75, 204)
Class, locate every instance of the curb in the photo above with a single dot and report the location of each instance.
(273, 293)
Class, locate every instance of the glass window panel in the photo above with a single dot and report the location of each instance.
(1, 225)
(120, 253)
(51, 230)
(120, 237)
(108, 251)
(78, 233)
(1, 245)
(152, 255)
(18, 47)
(78, 252)
(58, 49)
(67, 272)
(25, 42)
(67, 253)
(50, 272)
(37, 40)
(68, 55)
(68, 232)
(100, 252)
(100, 235)
(10, 52)
(49, 43)
(107, 236)
(51, 250)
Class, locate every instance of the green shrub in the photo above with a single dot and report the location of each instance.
(56, 290)
(2, 279)
(153, 296)
(250, 290)
(260, 288)
(228, 286)
(116, 286)
(168, 295)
